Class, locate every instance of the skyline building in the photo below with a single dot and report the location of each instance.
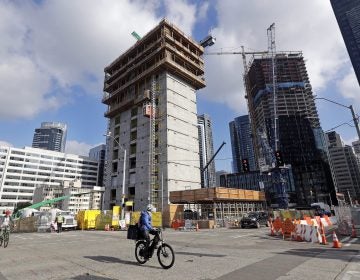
(345, 166)
(291, 128)
(347, 15)
(24, 170)
(150, 93)
(50, 136)
(241, 143)
(98, 153)
(206, 151)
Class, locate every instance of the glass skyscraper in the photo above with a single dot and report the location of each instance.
(50, 136)
(347, 13)
(241, 143)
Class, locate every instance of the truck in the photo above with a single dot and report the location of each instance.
(70, 221)
(321, 208)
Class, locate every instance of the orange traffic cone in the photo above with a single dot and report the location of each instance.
(272, 232)
(336, 242)
(197, 226)
(322, 232)
(353, 232)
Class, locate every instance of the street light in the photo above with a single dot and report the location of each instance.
(352, 113)
(124, 168)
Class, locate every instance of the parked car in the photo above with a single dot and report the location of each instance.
(255, 219)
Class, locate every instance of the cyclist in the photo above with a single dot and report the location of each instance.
(146, 226)
(6, 221)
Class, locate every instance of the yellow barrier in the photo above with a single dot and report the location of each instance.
(156, 218)
(103, 219)
(115, 216)
(87, 218)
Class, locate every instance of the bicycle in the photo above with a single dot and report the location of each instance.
(5, 236)
(165, 252)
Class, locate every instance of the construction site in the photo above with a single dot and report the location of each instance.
(150, 93)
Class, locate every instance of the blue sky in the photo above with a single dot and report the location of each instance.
(52, 56)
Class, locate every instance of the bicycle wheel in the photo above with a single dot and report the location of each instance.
(166, 256)
(140, 252)
(6, 239)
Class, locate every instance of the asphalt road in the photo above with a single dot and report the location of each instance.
(222, 254)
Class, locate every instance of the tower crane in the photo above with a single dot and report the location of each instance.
(266, 148)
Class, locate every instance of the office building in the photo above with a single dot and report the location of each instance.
(206, 149)
(150, 93)
(241, 143)
(24, 170)
(290, 129)
(347, 15)
(50, 136)
(98, 153)
(345, 166)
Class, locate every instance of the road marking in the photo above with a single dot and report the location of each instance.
(352, 241)
(238, 236)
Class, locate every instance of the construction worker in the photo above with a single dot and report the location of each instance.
(59, 220)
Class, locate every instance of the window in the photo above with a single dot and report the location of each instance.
(134, 111)
(133, 123)
(132, 163)
(117, 120)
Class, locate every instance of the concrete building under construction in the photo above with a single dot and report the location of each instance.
(285, 120)
(150, 93)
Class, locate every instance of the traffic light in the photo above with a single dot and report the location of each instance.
(245, 165)
(278, 158)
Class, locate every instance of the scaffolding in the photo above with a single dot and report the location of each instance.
(225, 206)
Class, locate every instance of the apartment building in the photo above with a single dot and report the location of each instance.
(24, 170)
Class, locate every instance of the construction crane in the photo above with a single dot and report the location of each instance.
(266, 149)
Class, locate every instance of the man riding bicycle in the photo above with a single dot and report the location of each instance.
(6, 221)
(145, 225)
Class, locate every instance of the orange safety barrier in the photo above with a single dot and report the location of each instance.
(353, 231)
(322, 232)
(327, 219)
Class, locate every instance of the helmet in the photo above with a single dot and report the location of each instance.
(149, 207)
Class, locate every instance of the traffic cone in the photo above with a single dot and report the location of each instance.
(336, 242)
(322, 232)
(272, 232)
(353, 232)
(197, 226)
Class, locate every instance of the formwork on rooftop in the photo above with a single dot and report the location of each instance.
(223, 205)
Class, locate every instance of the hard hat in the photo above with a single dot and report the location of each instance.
(149, 207)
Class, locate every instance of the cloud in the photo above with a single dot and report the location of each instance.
(77, 148)
(5, 144)
(47, 49)
(182, 14)
(348, 86)
(244, 23)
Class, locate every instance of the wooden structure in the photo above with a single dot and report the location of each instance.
(224, 205)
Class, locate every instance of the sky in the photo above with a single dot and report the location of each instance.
(53, 54)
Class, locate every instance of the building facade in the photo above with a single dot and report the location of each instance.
(50, 136)
(241, 143)
(287, 123)
(98, 153)
(206, 149)
(24, 170)
(150, 93)
(346, 167)
(347, 15)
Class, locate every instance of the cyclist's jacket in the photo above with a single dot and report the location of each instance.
(6, 221)
(145, 221)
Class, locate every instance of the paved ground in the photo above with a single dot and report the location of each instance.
(221, 254)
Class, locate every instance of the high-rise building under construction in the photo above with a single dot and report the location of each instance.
(150, 91)
(291, 127)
